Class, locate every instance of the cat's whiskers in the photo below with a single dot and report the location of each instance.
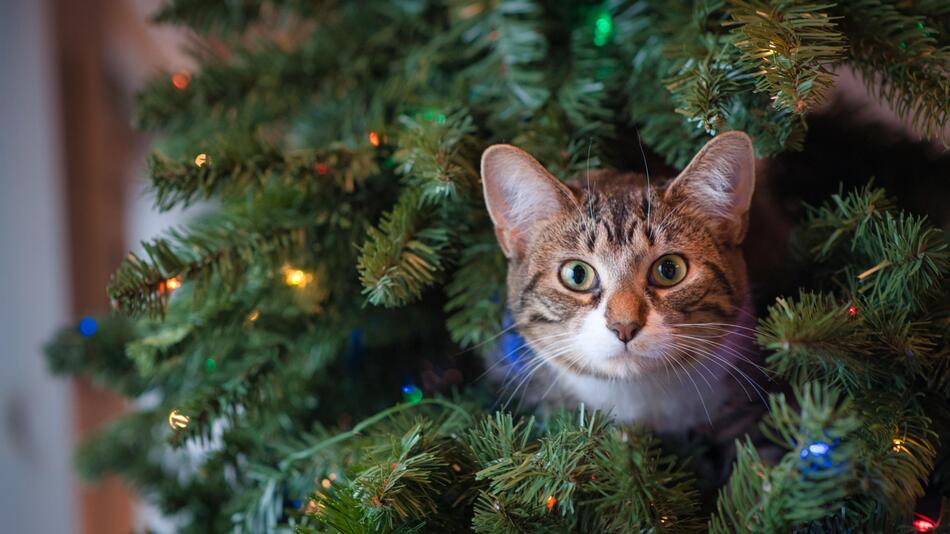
(699, 394)
(688, 350)
(536, 365)
(725, 326)
(513, 352)
(487, 340)
(531, 366)
(558, 375)
(727, 365)
(728, 347)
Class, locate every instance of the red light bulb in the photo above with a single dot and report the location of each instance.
(924, 524)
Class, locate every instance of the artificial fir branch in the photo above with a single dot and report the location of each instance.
(794, 43)
(273, 375)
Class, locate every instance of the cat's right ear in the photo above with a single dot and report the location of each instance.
(519, 193)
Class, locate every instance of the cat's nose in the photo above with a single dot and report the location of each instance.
(625, 330)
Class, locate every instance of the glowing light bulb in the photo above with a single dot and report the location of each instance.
(181, 79)
(924, 524)
(296, 277)
(551, 501)
(88, 326)
(201, 159)
(374, 139)
(898, 445)
(177, 420)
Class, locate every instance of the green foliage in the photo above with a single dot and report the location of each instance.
(341, 141)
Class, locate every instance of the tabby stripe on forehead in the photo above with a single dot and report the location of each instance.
(720, 277)
(619, 214)
(533, 283)
(645, 208)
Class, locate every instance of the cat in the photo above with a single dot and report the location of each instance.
(631, 294)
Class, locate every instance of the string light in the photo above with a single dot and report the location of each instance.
(326, 483)
(210, 364)
(170, 285)
(551, 501)
(88, 326)
(181, 79)
(177, 420)
(251, 317)
(898, 445)
(321, 168)
(411, 394)
(924, 524)
(313, 506)
(374, 139)
(853, 310)
(201, 159)
(603, 28)
(296, 277)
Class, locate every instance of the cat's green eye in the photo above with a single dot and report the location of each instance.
(578, 276)
(668, 271)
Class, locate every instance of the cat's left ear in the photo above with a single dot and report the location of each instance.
(718, 183)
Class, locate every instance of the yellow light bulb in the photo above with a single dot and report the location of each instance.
(177, 420)
(201, 159)
(296, 277)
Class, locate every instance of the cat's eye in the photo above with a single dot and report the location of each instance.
(668, 271)
(578, 276)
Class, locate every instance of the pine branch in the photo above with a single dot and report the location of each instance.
(506, 45)
(836, 225)
(809, 483)
(226, 17)
(222, 247)
(436, 159)
(476, 292)
(794, 43)
(404, 254)
(253, 167)
(911, 262)
(814, 337)
(904, 56)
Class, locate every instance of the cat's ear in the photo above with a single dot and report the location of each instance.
(519, 193)
(718, 183)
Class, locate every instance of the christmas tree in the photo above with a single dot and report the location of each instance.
(306, 357)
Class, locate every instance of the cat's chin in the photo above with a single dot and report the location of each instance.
(620, 365)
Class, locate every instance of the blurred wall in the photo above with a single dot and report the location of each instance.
(36, 480)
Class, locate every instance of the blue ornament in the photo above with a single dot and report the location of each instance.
(816, 456)
(88, 326)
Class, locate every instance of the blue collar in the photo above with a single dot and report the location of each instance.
(514, 349)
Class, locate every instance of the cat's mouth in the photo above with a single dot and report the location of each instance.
(622, 363)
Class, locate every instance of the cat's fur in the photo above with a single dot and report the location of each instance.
(682, 364)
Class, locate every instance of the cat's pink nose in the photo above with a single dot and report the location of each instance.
(625, 330)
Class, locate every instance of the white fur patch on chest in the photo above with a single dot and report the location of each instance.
(665, 402)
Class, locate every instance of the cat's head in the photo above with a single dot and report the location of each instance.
(614, 278)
